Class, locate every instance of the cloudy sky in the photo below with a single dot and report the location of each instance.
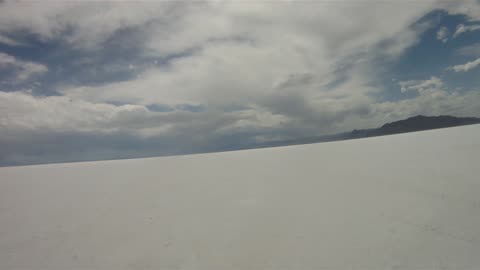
(104, 80)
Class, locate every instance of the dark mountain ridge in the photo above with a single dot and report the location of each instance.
(412, 124)
(416, 123)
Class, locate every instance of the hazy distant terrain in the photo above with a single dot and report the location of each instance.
(406, 201)
(416, 123)
(412, 124)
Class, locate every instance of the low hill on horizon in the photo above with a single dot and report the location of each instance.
(416, 123)
(411, 124)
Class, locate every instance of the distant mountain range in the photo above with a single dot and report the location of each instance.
(412, 124)
(416, 123)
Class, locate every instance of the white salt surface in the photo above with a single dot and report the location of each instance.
(396, 202)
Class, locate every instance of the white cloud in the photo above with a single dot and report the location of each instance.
(239, 53)
(87, 24)
(23, 69)
(422, 86)
(59, 128)
(442, 34)
(470, 50)
(6, 60)
(29, 69)
(466, 67)
(10, 42)
(294, 68)
(232, 53)
(437, 101)
(22, 112)
(461, 29)
(470, 8)
(82, 24)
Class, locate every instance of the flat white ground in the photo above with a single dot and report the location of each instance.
(405, 201)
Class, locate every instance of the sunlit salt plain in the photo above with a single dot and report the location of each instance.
(404, 201)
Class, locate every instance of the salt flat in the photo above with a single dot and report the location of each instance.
(403, 202)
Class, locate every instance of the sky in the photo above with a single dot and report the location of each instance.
(122, 79)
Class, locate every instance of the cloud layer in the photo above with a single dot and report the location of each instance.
(23, 69)
(467, 66)
(212, 75)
